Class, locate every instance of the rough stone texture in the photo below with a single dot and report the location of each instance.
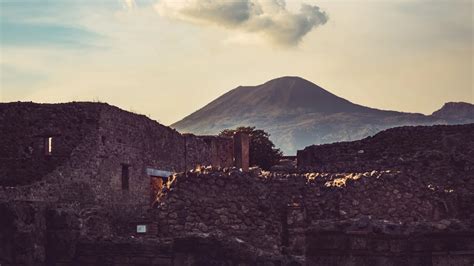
(269, 211)
(183, 251)
(44, 234)
(221, 150)
(91, 142)
(241, 149)
(22, 234)
(369, 242)
(232, 203)
(436, 149)
(32, 233)
(426, 172)
(380, 211)
(23, 129)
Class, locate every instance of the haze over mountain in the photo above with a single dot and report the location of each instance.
(298, 113)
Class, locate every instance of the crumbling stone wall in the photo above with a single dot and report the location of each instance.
(372, 242)
(447, 150)
(22, 234)
(33, 233)
(24, 129)
(136, 143)
(263, 211)
(272, 210)
(221, 150)
(41, 233)
(92, 144)
(182, 251)
(194, 149)
(390, 196)
(406, 173)
(234, 204)
(140, 143)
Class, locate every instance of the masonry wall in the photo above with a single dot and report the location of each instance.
(447, 150)
(136, 143)
(40, 233)
(390, 196)
(231, 204)
(221, 149)
(272, 211)
(183, 251)
(265, 212)
(140, 143)
(24, 129)
(340, 248)
(92, 143)
(22, 234)
(35, 233)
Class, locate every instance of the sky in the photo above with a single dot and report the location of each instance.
(168, 58)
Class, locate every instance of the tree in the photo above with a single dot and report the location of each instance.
(262, 150)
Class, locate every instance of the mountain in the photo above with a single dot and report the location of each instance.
(298, 113)
(455, 112)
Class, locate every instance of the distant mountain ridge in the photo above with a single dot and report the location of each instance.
(298, 113)
(455, 110)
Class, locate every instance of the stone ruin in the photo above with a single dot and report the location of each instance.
(76, 190)
(95, 152)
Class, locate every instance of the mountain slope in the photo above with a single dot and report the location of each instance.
(298, 113)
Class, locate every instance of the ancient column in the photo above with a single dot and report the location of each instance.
(241, 151)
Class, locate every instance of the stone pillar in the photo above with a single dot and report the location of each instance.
(215, 162)
(241, 151)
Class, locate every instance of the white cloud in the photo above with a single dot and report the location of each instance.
(267, 18)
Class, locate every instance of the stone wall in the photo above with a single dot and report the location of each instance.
(221, 150)
(38, 233)
(412, 173)
(93, 145)
(231, 203)
(390, 196)
(22, 234)
(25, 128)
(271, 211)
(33, 233)
(387, 245)
(445, 150)
(45, 234)
(136, 143)
(183, 251)
(78, 211)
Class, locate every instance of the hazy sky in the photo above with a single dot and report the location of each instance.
(168, 58)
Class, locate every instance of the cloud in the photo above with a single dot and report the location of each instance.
(267, 18)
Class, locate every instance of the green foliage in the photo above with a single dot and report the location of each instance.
(262, 150)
